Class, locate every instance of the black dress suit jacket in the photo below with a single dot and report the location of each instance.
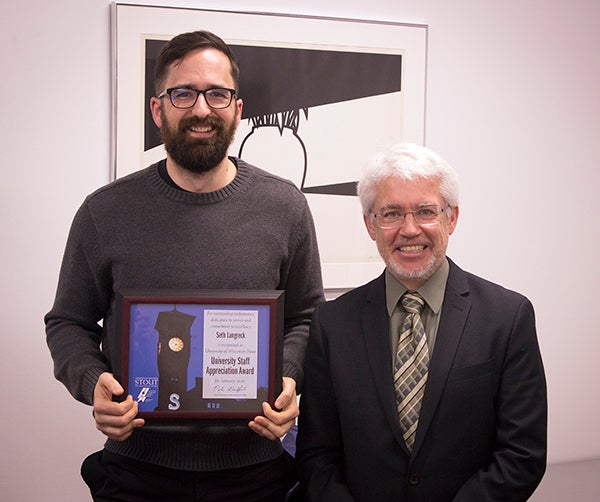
(482, 429)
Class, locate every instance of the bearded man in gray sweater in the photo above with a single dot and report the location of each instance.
(197, 220)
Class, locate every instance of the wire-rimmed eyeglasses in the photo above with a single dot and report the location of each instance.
(394, 218)
(186, 97)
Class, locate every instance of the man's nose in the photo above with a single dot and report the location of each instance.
(201, 107)
(410, 226)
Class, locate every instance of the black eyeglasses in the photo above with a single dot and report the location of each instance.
(186, 97)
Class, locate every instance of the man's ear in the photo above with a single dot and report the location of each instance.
(240, 105)
(156, 110)
(453, 220)
(369, 224)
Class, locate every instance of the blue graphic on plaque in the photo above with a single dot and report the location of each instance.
(195, 357)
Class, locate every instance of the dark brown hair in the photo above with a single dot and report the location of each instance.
(180, 46)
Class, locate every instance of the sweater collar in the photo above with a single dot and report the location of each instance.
(162, 182)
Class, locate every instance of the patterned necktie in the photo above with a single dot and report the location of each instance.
(410, 371)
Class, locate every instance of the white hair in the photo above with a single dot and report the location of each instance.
(407, 161)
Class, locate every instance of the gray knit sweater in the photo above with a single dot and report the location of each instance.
(139, 232)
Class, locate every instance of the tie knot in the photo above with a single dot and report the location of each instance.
(413, 303)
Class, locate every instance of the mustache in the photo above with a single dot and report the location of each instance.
(209, 121)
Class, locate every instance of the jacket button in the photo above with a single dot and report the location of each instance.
(413, 479)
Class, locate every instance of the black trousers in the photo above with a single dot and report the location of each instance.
(112, 477)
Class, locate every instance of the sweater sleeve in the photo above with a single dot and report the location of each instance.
(303, 292)
(73, 330)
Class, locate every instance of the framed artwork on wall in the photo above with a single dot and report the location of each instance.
(321, 97)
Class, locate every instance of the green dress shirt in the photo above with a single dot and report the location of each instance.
(433, 294)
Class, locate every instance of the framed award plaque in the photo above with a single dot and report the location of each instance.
(200, 353)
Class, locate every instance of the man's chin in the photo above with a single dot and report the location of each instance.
(198, 159)
(417, 274)
(197, 155)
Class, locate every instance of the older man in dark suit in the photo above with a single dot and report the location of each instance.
(427, 383)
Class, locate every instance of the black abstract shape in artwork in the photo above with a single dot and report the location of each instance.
(280, 84)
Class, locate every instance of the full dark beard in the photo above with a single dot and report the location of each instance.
(198, 155)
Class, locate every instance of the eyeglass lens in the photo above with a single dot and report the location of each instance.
(395, 218)
(186, 98)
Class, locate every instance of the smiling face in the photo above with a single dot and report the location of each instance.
(197, 138)
(412, 253)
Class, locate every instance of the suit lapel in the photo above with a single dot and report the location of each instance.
(455, 311)
(375, 331)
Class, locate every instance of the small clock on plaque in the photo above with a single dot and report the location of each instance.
(176, 344)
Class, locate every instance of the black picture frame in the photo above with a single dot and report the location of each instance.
(194, 354)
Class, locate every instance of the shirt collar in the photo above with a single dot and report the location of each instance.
(432, 291)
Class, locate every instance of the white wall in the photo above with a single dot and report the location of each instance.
(512, 104)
